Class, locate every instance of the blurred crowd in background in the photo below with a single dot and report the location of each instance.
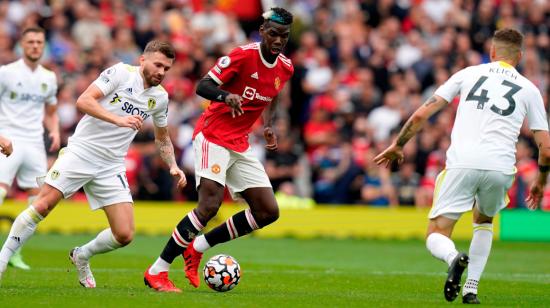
(361, 69)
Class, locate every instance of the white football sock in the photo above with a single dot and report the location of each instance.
(441, 247)
(159, 266)
(3, 194)
(480, 248)
(21, 230)
(104, 242)
(200, 244)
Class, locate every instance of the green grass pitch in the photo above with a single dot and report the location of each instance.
(279, 273)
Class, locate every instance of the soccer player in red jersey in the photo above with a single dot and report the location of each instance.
(242, 86)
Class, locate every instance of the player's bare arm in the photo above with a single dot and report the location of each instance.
(542, 138)
(88, 103)
(209, 89)
(166, 152)
(269, 134)
(51, 121)
(411, 128)
(5, 146)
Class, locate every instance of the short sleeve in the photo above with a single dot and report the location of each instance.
(227, 66)
(451, 87)
(52, 94)
(160, 117)
(536, 115)
(110, 78)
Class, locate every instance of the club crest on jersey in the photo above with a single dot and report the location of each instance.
(249, 93)
(151, 103)
(216, 168)
(44, 87)
(224, 62)
(54, 175)
(13, 95)
(277, 83)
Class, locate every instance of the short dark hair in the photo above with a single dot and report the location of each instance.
(160, 46)
(278, 15)
(509, 36)
(33, 29)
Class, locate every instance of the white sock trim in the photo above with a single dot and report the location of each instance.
(159, 266)
(201, 244)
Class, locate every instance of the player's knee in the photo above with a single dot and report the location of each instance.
(124, 237)
(207, 210)
(266, 216)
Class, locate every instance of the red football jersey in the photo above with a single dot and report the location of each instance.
(244, 72)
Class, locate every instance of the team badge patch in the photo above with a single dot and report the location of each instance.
(13, 95)
(277, 83)
(54, 175)
(216, 168)
(44, 87)
(224, 62)
(151, 103)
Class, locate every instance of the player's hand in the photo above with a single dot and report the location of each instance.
(393, 152)
(178, 173)
(133, 122)
(535, 196)
(234, 101)
(6, 147)
(55, 141)
(270, 138)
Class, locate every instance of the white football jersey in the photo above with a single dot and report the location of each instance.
(494, 101)
(122, 86)
(23, 95)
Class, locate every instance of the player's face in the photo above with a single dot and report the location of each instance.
(154, 66)
(275, 37)
(33, 45)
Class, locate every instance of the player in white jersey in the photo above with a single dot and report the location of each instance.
(27, 99)
(6, 147)
(494, 101)
(115, 104)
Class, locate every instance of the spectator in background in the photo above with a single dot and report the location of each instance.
(406, 182)
(384, 119)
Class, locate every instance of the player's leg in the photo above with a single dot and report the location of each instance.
(211, 164)
(107, 190)
(8, 169)
(33, 165)
(453, 195)
(491, 198)
(25, 224)
(247, 178)
(120, 234)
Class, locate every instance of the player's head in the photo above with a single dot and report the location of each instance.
(507, 45)
(33, 40)
(275, 30)
(156, 60)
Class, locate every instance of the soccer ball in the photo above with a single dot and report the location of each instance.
(222, 273)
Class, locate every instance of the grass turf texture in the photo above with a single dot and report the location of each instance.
(278, 272)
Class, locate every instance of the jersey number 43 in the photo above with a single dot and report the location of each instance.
(482, 98)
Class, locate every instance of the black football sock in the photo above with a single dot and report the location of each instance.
(237, 225)
(183, 234)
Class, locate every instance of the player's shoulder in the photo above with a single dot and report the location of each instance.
(286, 63)
(12, 65)
(160, 94)
(120, 69)
(48, 73)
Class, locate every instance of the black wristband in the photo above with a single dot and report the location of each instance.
(544, 169)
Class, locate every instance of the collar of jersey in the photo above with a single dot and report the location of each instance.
(23, 64)
(504, 64)
(267, 64)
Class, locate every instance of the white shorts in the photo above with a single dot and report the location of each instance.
(457, 189)
(27, 162)
(104, 184)
(239, 171)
